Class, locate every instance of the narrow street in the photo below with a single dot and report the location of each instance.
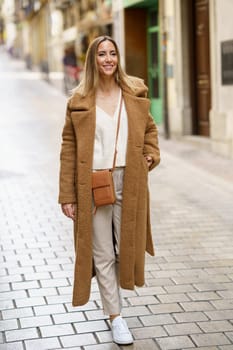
(187, 302)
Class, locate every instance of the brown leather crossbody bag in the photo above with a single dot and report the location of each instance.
(102, 180)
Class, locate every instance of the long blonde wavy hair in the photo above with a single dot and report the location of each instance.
(90, 79)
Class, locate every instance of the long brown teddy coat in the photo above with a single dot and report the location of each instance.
(75, 186)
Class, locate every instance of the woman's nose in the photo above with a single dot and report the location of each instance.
(108, 57)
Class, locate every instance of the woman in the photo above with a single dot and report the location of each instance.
(110, 244)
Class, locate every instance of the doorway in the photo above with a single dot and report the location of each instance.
(142, 54)
(199, 53)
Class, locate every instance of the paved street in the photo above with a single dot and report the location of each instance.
(188, 298)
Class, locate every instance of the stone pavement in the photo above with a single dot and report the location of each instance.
(188, 298)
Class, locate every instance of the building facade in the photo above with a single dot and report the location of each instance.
(199, 72)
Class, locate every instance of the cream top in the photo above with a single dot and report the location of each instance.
(105, 136)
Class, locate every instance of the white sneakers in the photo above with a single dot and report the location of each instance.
(120, 332)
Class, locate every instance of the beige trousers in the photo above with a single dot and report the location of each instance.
(106, 239)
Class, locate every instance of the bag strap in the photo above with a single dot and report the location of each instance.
(117, 133)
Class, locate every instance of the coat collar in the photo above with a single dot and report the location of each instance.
(84, 103)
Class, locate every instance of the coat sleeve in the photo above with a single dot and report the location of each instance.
(151, 147)
(67, 162)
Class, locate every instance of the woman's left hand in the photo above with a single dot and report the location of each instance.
(149, 160)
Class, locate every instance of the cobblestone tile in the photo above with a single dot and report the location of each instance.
(182, 329)
(65, 290)
(219, 270)
(202, 296)
(12, 346)
(206, 348)
(88, 306)
(180, 288)
(73, 348)
(91, 326)
(31, 262)
(8, 324)
(156, 282)
(56, 330)
(58, 282)
(58, 260)
(148, 332)
(59, 299)
(42, 344)
(150, 291)
(143, 344)
(205, 287)
(48, 268)
(10, 278)
(197, 306)
(219, 315)
(133, 322)
(194, 272)
(13, 295)
(209, 339)
(226, 294)
(78, 340)
(190, 316)
(18, 270)
(173, 298)
(135, 311)
(49, 309)
(16, 313)
(21, 334)
(25, 285)
(128, 293)
(104, 337)
(69, 317)
(108, 346)
(95, 315)
(34, 301)
(4, 287)
(42, 292)
(37, 276)
(6, 304)
(165, 273)
(165, 308)
(62, 274)
(154, 320)
(143, 300)
(178, 342)
(35, 321)
(230, 336)
(215, 326)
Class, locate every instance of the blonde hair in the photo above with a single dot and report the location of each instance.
(90, 79)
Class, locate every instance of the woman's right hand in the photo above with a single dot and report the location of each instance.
(69, 210)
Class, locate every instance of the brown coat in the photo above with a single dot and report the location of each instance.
(75, 187)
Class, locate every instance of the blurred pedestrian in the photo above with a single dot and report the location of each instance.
(110, 244)
(71, 69)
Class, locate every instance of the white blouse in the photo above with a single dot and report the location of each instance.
(105, 136)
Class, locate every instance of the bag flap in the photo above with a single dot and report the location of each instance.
(101, 178)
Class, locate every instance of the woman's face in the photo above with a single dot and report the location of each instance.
(106, 58)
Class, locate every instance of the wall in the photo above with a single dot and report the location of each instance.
(221, 115)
